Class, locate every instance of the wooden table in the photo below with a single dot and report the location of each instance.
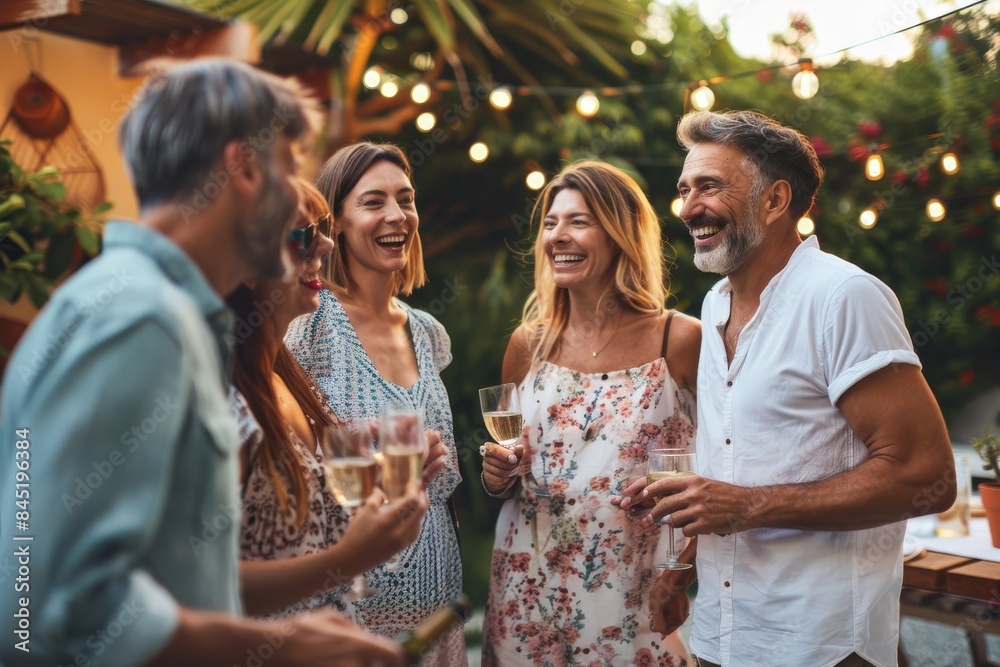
(954, 590)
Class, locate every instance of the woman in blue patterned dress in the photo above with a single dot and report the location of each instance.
(364, 349)
(605, 375)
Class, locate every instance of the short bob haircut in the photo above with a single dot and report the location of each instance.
(772, 151)
(622, 209)
(337, 178)
(175, 134)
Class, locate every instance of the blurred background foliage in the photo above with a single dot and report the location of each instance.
(475, 218)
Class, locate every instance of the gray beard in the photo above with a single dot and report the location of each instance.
(263, 243)
(729, 255)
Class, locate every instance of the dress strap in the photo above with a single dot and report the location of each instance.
(666, 334)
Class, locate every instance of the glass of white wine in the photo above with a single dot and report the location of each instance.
(402, 452)
(502, 413)
(665, 463)
(351, 467)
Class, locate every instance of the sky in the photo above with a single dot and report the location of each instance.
(837, 23)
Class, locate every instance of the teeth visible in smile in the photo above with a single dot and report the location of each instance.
(386, 240)
(702, 232)
(568, 258)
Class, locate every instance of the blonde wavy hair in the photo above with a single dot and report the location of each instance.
(622, 209)
(337, 178)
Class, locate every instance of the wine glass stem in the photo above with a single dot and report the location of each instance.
(672, 553)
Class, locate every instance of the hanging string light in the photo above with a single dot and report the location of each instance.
(996, 200)
(874, 169)
(389, 89)
(949, 163)
(805, 84)
(805, 226)
(398, 16)
(935, 210)
(501, 98)
(868, 218)
(478, 152)
(372, 78)
(638, 48)
(702, 97)
(420, 93)
(535, 180)
(676, 205)
(587, 104)
(426, 121)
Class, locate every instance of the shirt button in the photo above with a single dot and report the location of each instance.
(729, 384)
(728, 441)
(604, 377)
(726, 584)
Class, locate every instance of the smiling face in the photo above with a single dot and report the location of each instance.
(378, 220)
(721, 207)
(579, 251)
(300, 293)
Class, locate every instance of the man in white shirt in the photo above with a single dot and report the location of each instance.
(817, 433)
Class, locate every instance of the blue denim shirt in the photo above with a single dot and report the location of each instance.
(117, 393)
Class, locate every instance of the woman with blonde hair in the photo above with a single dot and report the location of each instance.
(605, 374)
(364, 349)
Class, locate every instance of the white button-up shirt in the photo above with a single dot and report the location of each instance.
(775, 596)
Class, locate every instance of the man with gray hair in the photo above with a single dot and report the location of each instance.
(817, 433)
(119, 490)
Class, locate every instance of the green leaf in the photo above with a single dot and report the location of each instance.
(58, 256)
(12, 203)
(88, 240)
(55, 191)
(19, 240)
(437, 24)
(470, 15)
(37, 289)
(10, 286)
(328, 26)
(103, 207)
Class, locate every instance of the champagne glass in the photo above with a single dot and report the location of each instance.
(402, 452)
(351, 474)
(502, 413)
(663, 464)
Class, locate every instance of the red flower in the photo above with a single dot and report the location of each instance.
(922, 177)
(899, 177)
(870, 129)
(820, 146)
(644, 658)
(857, 153)
(947, 31)
(765, 75)
(937, 285)
(519, 562)
(966, 376)
(996, 317)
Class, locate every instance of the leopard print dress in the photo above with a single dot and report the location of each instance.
(267, 532)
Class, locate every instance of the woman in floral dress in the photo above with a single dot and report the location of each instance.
(605, 375)
(365, 349)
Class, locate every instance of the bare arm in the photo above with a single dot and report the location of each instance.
(374, 536)
(683, 351)
(499, 463)
(204, 638)
(910, 471)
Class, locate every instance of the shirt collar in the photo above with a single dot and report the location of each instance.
(176, 265)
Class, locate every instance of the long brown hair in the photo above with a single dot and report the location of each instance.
(623, 210)
(337, 178)
(254, 358)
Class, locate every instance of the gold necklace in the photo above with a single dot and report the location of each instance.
(610, 338)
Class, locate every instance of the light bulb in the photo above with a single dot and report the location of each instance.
(868, 218)
(949, 163)
(398, 16)
(702, 98)
(389, 89)
(873, 167)
(676, 205)
(996, 200)
(420, 93)
(372, 77)
(935, 210)
(588, 104)
(805, 84)
(426, 121)
(501, 98)
(478, 152)
(805, 226)
(638, 48)
(535, 180)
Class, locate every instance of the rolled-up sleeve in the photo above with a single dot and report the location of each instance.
(104, 495)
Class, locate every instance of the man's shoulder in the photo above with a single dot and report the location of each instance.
(823, 273)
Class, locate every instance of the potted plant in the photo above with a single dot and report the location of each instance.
(988, 448)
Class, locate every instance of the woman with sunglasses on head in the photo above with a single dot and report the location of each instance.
(300, 548)
(364, 348)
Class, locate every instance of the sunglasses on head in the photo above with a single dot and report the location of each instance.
(305, 239)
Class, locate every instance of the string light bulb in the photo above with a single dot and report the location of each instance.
(868, 218)
(372, 78)
(805, 226)
(935, 210)
(676, 205)
(501, 98)
(874, 169)
(949, 163)
(398, 16)
(996, 200)
(702, 98)
(805, 84)
(638, 48)
(478, 152)
(587, 104)
(426, 121)
(420, 93)
(389, 89)
(535, 180)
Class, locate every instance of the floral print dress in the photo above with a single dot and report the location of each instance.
(571, 574)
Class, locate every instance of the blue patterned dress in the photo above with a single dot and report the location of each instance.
(430, 572)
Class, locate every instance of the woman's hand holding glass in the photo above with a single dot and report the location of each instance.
(502, 465)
